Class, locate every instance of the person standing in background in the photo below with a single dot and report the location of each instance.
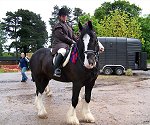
(23, 64)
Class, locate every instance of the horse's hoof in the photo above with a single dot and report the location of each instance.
(43, 116)
(89, 118)
(72, 121)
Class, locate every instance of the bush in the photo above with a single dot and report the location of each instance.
(6, 54)
(129, 72)
(1, 70)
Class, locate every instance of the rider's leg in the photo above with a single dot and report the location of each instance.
(58, 61)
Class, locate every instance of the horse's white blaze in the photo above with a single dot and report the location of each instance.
(86, 113)
(101, 47)
(86, 40)
(41, 109)
(71, 116)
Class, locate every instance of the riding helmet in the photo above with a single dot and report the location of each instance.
(63, 11)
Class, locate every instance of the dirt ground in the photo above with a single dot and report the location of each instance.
(116, 100)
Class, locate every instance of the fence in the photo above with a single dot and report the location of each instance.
(12, 60)
(8, 60)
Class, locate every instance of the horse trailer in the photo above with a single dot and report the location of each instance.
(120, 54)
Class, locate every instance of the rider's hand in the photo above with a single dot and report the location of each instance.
(73, 42)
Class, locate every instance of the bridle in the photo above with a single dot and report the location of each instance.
(95, 53)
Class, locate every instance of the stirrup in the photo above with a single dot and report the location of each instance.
(57, 72)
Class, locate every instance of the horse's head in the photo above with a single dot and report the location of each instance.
(89, 43)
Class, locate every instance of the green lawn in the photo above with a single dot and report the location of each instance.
(148, 61)
(1, 70)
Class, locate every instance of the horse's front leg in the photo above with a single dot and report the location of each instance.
(40, 106)
(86, 113)
(71, 114)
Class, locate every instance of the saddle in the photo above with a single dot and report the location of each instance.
(66, 57)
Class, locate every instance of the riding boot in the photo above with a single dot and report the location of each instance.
(58, 63)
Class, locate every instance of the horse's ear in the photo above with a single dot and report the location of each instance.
(80, 26)
(90, 25)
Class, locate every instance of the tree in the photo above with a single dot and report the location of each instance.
(145, 27)
(33, 34)
(2, 38)
(106, 8)
(26, 29)
(84, 19)
(11, 26)
(76, 13)
(119, 24)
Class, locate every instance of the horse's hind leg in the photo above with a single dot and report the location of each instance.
(40, 87)
(86, 113)
(71, 114)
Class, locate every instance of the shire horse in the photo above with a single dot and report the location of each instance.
(83, 73)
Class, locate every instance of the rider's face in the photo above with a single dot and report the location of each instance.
(63, 18)
(22, 55)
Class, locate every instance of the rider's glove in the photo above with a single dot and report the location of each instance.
(73, 42)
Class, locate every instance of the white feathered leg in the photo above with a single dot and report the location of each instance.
(41, 109)
(86, 113)
(71, 116)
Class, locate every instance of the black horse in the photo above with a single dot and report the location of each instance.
(83, 73)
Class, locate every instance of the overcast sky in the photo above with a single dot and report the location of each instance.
(45, 7)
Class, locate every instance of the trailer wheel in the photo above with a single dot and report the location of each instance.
(107, 71)
(119, 71)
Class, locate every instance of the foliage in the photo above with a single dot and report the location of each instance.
(145, 27)
(122, 5)
(129, 72)
(9, 68)
(26, 30)
(84, 19)
(2, 38)
(7, 54)
(76, 13)
(1, 70)
(119, 24)
(148, 61)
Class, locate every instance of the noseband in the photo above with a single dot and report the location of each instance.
(96, 54)
(90, 51)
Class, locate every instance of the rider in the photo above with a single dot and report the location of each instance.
(63, 38)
